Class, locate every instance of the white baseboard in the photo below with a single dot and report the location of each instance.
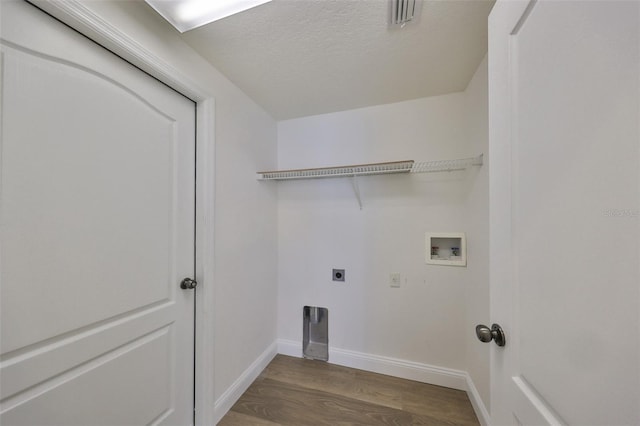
(289, 347)
(476, 402)
(425, 373)
(235, 391)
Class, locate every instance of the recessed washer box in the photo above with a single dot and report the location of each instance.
(446, 248)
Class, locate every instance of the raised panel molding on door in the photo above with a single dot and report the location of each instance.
(97, 234)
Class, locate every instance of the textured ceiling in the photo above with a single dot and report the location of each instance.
(304, 57)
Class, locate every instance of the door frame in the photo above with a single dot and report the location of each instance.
(82, 19)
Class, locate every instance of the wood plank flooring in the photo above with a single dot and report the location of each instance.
(301, 392)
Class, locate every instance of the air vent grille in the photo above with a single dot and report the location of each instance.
(402, 12)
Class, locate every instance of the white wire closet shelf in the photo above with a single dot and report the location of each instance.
(406, 166)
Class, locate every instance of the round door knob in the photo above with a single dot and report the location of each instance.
(188, 284)
(495, 333)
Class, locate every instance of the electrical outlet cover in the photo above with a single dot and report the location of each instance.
(394, 279)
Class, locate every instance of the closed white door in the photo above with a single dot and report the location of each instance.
(97, 221)
(565, 183)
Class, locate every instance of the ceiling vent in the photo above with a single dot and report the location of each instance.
(401, 12)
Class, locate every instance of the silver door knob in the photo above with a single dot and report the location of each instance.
(495, 333)
(188, 284)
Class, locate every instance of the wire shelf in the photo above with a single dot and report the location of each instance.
(353, 171)
(340, 171)
(446, 165)
(407, 166)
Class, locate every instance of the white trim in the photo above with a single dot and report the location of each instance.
(84, 20)
(205, 215)
(289, 347)
(425, 373)
(476, 402)
(411, 370)
(235, 391)
(79, 17)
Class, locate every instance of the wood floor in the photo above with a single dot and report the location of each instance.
(296, 391)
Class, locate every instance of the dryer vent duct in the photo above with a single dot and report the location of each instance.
(401, 12)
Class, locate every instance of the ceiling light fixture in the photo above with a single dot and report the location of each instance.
(186, 15)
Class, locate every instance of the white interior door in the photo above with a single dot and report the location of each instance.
(97, 221)
(564, 116)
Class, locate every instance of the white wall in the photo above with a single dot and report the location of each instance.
(321, 227)
(245, 242)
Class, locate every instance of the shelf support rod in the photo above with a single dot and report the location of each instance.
(356, 189)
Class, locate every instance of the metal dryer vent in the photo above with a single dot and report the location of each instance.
(315, 333)
(401, 12)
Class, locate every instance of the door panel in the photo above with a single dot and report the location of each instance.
(45, 181)
(97, 232)
(565, 75)
(576, 266)
(106, 403)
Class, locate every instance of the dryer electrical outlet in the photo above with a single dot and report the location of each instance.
(394, 279)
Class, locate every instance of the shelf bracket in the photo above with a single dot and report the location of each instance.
(356, 189)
